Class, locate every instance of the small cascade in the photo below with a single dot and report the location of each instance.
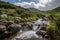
(40, 23)
(37, 25)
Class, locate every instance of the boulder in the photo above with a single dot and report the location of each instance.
(6, 23)
(43, 28)
(15, 25)
(2, 28)
(6, 32)
(26, 27)
(43, 33)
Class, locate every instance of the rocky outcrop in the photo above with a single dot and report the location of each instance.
(8, 29)
(6, 23)
(42, 33)
(27, 26)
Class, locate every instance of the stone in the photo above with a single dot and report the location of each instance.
(2, 27)
(15, 25)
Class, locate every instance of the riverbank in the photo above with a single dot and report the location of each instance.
(26, 29)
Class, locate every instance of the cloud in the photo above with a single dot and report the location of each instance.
(17, 0)
(26, 4)
(40, 5)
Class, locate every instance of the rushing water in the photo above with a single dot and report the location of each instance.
(31, 33)
(41, 23)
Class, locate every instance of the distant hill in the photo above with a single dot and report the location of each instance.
(33, 9)
(17, 13)
(55, 10)
(13, 13)
(7, 5)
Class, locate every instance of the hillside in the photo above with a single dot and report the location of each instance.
(10, 12)
(13, 13)
(33, 9)
(16, 13)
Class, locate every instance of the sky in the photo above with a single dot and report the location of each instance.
(43, 5)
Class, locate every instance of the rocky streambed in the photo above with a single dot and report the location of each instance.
(24, 31)
(8, 29)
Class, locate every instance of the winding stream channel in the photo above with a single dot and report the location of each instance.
(37, 25)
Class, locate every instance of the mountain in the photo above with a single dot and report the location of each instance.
(12, 12)
(55, 10)
(33, 9)
(7, 5)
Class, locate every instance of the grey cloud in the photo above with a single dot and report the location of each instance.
(43, 5)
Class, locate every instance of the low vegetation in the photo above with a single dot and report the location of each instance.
(10, 12)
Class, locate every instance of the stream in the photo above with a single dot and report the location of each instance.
(37, 25)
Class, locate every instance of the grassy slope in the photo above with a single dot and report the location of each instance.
(16, 13)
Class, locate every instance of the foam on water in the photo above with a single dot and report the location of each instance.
(30, 34)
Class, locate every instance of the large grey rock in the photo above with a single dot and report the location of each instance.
(2, 27)
(26, 27)
(42, 33)
(6, 23)
(15, 25)
(6, 32)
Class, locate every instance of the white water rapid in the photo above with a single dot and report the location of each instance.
(31, 33)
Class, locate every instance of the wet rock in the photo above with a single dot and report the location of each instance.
(42, 33)
(2, 30)
(6, 23)
(26, 27)
(14, 28)
(46, 36)
(2, 27)
(15, 25)
(43, 28)
(9, 30)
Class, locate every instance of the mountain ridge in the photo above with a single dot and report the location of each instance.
(22, 14)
